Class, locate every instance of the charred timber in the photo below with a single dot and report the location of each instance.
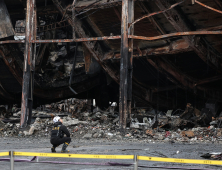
(177, 34)
(175, 47)
(27, 84)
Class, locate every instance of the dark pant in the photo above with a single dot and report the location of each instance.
(58, 141)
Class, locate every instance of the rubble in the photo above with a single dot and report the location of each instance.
(87, 136)
(187, 126)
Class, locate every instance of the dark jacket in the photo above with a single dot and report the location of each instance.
(59, 130)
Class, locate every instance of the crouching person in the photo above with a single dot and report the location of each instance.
(57, 135)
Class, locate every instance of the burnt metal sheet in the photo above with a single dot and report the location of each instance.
(6, 28)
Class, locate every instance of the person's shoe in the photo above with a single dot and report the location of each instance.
(65, 145)
(53, 150)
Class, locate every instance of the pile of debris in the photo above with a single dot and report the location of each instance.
(9, 129)
(190, 125)
(74, 106)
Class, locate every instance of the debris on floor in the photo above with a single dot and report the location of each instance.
(85, 122)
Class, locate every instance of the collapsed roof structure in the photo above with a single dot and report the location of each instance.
(143, 53)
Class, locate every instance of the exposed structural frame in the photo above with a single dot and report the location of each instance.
(126, 62)
(126, 59)
(29, 65)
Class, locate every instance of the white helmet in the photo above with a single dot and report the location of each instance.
(56, 119)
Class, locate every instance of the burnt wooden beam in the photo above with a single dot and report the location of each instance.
(117, 13)
(95, 28)
(130, 61)
(43, 53)
(28, 68)
(124, 64)
(152, 19)
(96, 5)
(219, 3)
(201, 48)
(208, 80)
(184, 81)
(175, 47)
(167, 72)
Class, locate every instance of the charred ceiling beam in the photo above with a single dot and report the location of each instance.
(95, 4)
(185, 80)
(164, 72)
(152, 19)
(40, 55)
(201, 48)
(96, 30)
(177, 34)
(157, 100)
(175, 47)
(117, 13)
(219, 3)
(209, 80)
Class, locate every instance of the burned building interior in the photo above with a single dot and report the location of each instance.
(139, 53)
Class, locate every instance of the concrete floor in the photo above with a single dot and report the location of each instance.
(171, 150)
